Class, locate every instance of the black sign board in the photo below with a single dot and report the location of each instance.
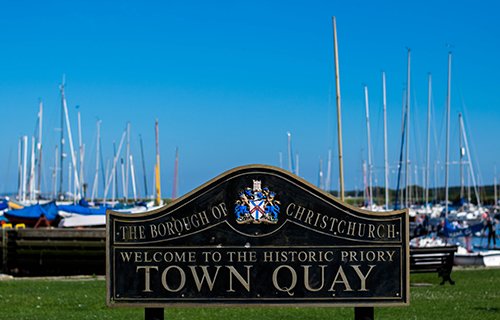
(257, 235)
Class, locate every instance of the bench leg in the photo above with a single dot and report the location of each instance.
(446, 276)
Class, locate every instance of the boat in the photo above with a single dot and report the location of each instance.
(74, 216)
(32, 215)
(80, 220)
(488, 258)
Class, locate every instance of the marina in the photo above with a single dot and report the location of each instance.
(330, 159)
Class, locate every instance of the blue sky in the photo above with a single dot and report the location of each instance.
(228, 79)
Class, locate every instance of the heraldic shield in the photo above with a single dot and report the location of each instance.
(257, 205)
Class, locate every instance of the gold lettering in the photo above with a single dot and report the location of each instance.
(268, 256)
(391, 231)
(222, 206)
(381, 234)
(126, 256)
(361, 276)
(182, 277)
(318, 215)
(307, 280)
(371, 229)
(142, 234)
(147, 276)
(331, 256)
(381, 256)
(390, 254)
(206, 276)
(309, 216)
(334, 220)
(361, 229)
(170, 228)
(351, 226)
(137, 257)
(343, 280)
(155, 256)
(293, 281)
(344, 255)
(299, 213)
(152, 229)
(232, 271)
(203, 217)
(343, 223)
(324, 221)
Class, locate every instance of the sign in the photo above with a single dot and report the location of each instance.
(257, 235)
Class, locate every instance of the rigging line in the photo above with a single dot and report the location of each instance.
(474, 159)
(396, 201)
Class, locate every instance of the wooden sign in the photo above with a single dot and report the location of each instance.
(257, 235)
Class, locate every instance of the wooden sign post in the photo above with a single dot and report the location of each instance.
(257, 235)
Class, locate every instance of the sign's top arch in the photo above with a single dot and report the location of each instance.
(258, 200)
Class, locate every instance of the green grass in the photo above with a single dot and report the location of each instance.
(476, 295)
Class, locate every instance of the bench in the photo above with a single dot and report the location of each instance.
(51, 252)
(433, 259)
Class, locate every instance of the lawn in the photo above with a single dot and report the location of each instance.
(476, 295)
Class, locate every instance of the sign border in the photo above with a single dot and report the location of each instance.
(220, 179)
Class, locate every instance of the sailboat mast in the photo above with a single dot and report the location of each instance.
(70, 179)
(71, 149)
(97, 153)
(320, 175)
(19, 168)
(495, 187)
(370, 196)
(386, 161)
(365, 184)
(461, 157)
(31, 182)
(81, 151)
(54, 175)
(132, 173)
(39, 147)
(290, 156)
(297, 164)
(25, 159)
(407, 162)
(157, 167)
(400, 163)
(127, 163)
(112, 176)
(176, 174)
(339, 109)
(123, 179)
(143, 169)
(61, 148)
(328, 182)
(115, 175)
(427, 154)
(447, 153)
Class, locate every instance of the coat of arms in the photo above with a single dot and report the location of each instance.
(257, 205)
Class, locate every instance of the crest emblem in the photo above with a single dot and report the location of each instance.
(257, 205)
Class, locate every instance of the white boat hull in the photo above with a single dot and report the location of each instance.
(80, 220)
(485, 258)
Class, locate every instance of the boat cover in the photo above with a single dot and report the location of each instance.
(34, 212)
(451, 230)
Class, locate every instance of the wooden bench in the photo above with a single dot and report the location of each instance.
(433, 259)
